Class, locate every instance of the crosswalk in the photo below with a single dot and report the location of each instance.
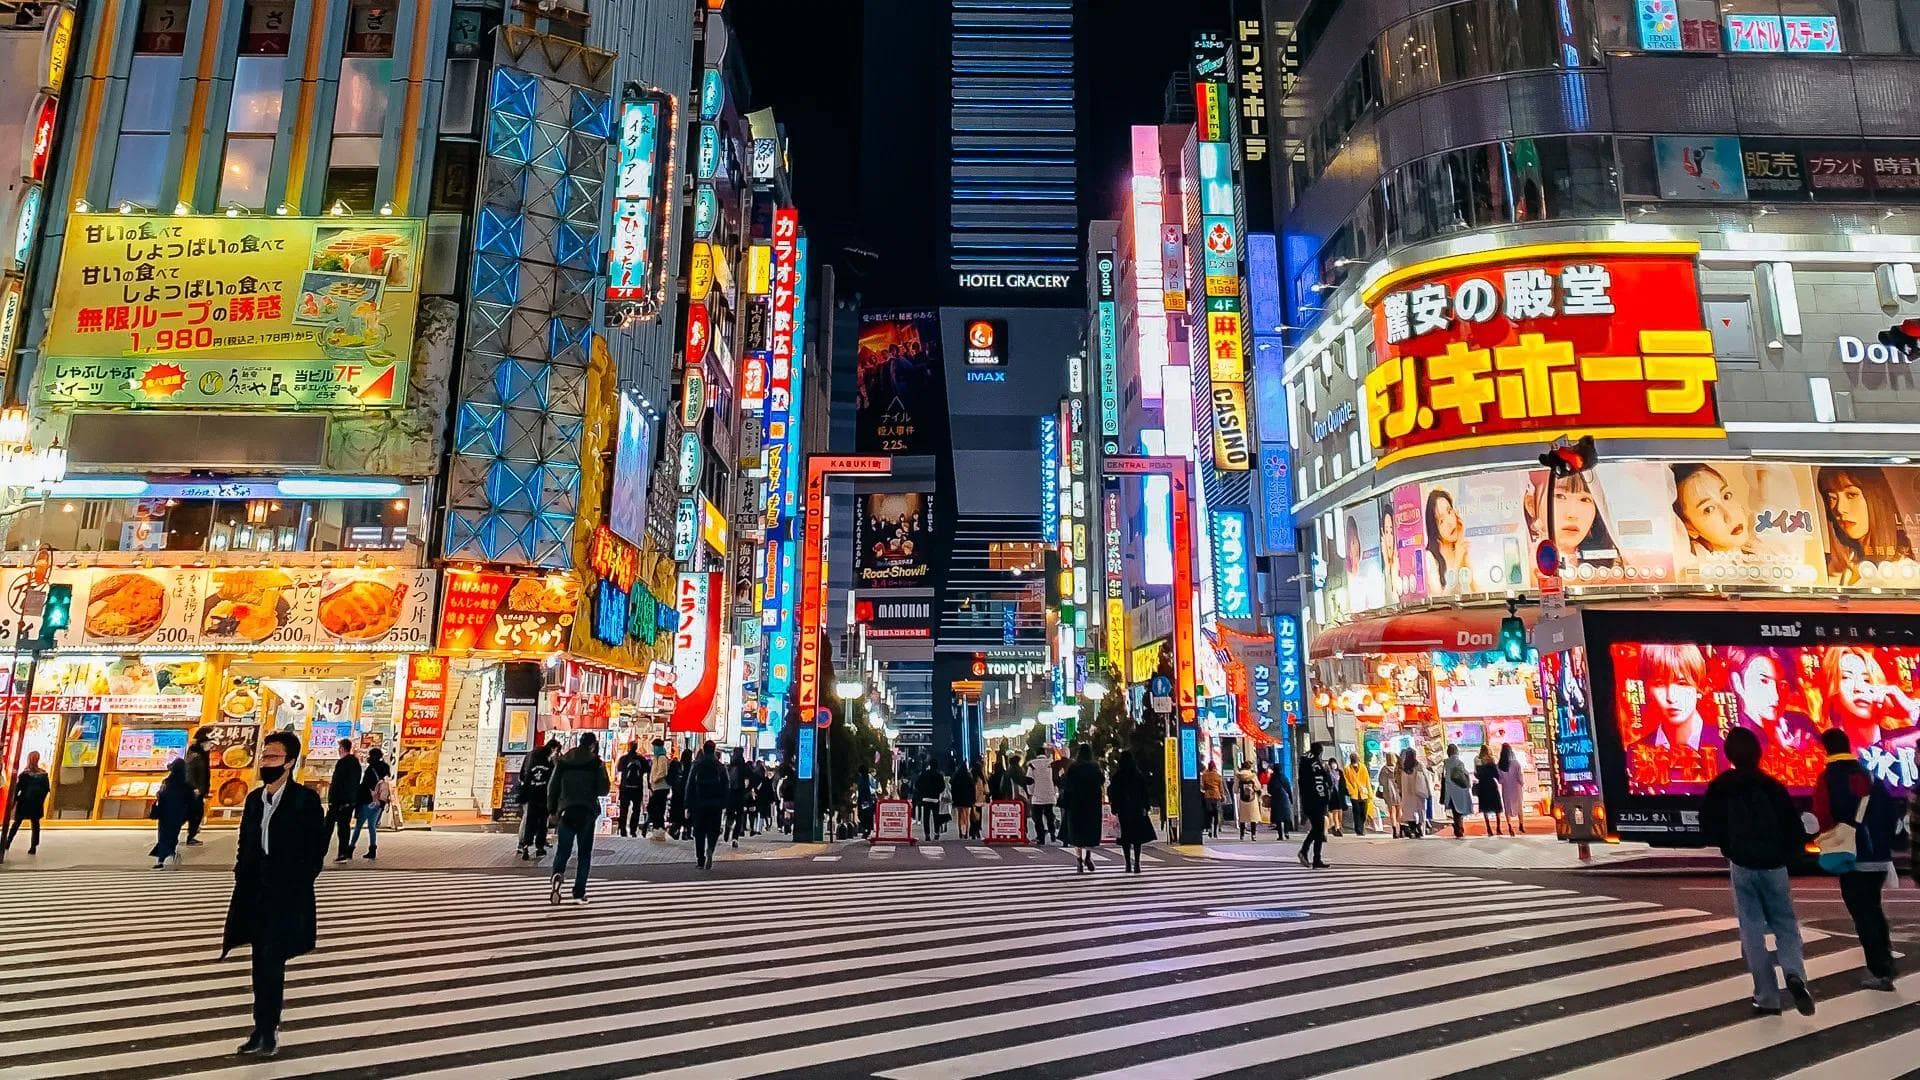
(927, 853)
(940, 971)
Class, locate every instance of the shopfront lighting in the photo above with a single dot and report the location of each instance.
(339, 208)
(386, 209)
(14, 426)
(849, 689)
(181, 209)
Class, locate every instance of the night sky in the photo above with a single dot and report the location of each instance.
(805, 61)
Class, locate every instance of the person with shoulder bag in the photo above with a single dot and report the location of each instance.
(376, 791)
(1857, 815)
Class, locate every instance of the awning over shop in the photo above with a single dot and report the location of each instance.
(1450, 629)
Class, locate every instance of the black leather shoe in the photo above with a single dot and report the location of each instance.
(253, 1044)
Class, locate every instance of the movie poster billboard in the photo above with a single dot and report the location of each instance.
(893, 540)
(899, 393)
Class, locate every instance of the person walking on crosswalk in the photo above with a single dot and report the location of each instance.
(1750, 817)
(1318, 784)
(1847, 792)
(172, 810)
(1132, 808)
(573, 798)
(1041, 796)
(657, 769)
(1080, 803)
(706, 801)
(1246, 809)
(283, 845)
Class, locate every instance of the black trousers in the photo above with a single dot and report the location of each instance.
(706, 833)
(1861, 891)
(657, 810)
(13, 830)
(269, 989)
(1044, 825)
(927, 812)
(1316, 836)
(533, 826)
(342, 818)
(628, 823)
(196, 814)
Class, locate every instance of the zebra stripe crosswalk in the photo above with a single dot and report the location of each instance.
(945, 971)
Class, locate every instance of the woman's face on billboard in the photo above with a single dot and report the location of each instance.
(1446, 521)
(1713, 514)
(1573, 514)
(1847, 506)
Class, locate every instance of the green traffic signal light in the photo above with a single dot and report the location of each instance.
(59, 610)
(1513, 638)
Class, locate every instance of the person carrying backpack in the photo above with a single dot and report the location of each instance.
(1751, 818)
(1246, 811)
(706, 800)
(376, 791)
(633, 774)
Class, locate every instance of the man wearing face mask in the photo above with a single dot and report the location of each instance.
(283, 844)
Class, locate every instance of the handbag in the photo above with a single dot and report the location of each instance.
(1840, 845)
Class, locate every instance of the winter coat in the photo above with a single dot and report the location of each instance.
(199, 769)
(1080, 803)
(1390, 788)
(707, 785)
(30, 791)
(1317, 787)
(1457, 791)
(1750, 817)
(370, 778)
(930, 786)
(173, 805)
(1132, 807)
(1486, 786)
(535, 774)
(963, 790)
(1246, 790)
(345, 785)
(1212, 787)
(1512, 786)
(658, 774)
(1415, 790)
(579, 781)
(1836, 798)
(1040, 787)
(1358, 784)
(1280, 792)
(633, 773)
(272, 908)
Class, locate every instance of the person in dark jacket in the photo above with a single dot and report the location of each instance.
(1486, 790)
(763, 798)
(706, 800)
(1280, 794)
(1080, 805)
(1847, 792)
(535, 774)
(1317, 788)
(172, 808)
(200, 779)
(341, 791)
(926, 792)
(1750, 817)
(677, 794)
(633, 773)
(863, 799)
(29, 792)
(573, 798)
(1132, 808)
(283, 845)
(371, 802)
(739, 796)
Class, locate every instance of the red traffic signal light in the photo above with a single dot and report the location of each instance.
(1569, 458)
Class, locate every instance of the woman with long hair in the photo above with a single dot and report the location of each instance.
(1863, 522)
(1415, 789)
(1512, 790)
(1446, 554)
(1128, 795)
(1715, 516)
(1580, 529)
(1080, 799)
(1486, 790)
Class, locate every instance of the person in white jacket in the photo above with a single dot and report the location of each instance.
(1042, 794)
(1416, 787)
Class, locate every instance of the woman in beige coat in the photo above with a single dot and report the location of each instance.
(1415, 789)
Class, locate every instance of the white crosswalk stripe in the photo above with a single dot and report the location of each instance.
(934, 972)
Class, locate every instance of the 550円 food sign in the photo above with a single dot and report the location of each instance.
(218, 311)
(1524, 344)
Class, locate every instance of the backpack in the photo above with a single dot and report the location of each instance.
(1249, 791)
(383, 792)
(634, 773)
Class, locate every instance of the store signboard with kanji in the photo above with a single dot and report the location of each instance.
(1524, 344)
(223, 311)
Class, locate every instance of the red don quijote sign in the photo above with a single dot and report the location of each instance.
(1523, 344)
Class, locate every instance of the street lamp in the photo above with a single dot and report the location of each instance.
(1094, 690)
(849, 689)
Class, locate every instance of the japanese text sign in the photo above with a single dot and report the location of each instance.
(159, 306)
(1232, 565)
(517, 614)
(1525, 344)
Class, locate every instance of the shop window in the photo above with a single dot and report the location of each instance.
(253, 118)
(360, 107)
(152, 100)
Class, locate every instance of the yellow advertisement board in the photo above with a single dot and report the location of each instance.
(153, 309)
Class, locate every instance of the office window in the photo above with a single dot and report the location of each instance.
(253, 119)
(360, 106)
(153, 92)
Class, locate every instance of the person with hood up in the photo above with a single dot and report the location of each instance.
(1847, 793)
(1751, 818)
(1246, 810)
(1133, 808)
(535, 774)
(706, 800)
(1080, 801)
(200, 779)
(573, 798)
(283, 845)
(172, 809)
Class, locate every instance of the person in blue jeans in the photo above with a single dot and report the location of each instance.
(1749, 815)
(376, 790)
(574, 792)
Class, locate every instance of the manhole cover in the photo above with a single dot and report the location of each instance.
(1258, 913)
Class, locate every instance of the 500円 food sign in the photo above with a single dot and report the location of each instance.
(222, 312)
(1524, 344)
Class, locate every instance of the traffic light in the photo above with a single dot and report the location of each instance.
(1513, 637)
(1565, 459)
(57, 614)
(1904, 339)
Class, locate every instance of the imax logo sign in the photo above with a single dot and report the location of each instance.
(987, 376)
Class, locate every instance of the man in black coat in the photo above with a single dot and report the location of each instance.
(283, 844)
(1317, 786)
(200, 778)
(342, 791)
